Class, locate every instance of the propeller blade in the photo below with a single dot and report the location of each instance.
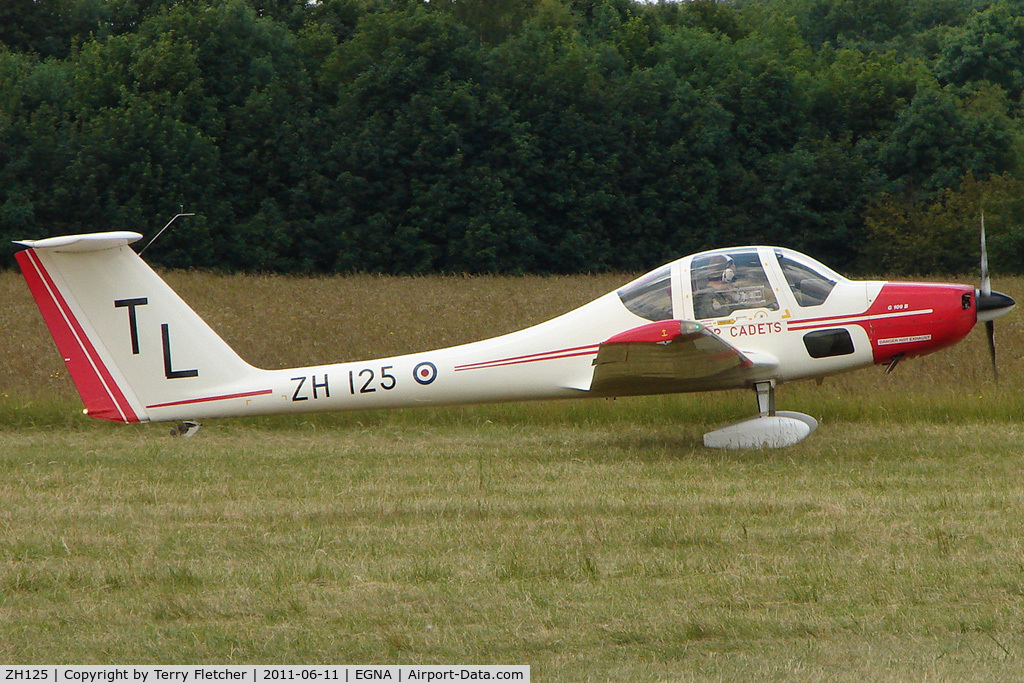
(990, 329)
(990, 305)
(986, 281)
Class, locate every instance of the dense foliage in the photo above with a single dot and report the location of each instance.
(517, 135)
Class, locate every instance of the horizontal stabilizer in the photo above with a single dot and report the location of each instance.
(93, 242)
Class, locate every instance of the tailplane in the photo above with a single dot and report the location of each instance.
(131, 345)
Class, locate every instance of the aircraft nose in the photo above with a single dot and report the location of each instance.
(991, 306)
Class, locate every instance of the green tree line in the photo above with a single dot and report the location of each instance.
(407, 136)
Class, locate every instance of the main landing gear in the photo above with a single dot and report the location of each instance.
(771, 429)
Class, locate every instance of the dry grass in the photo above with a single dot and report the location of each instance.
(275, 320)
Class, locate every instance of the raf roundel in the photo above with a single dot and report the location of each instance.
(425, 373)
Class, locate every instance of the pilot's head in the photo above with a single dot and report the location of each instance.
(719, 268)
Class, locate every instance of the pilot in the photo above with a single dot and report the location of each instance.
(713, 287)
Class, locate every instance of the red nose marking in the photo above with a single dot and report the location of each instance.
(918, 318)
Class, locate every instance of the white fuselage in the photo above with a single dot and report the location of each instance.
(550, 360)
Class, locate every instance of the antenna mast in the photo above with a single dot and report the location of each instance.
(176, 217)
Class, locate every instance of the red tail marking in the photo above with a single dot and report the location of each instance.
(102, 397)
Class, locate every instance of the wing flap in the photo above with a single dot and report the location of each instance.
(673, 356)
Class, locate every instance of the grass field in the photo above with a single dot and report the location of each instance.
(592, 540)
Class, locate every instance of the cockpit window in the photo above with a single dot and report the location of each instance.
(728, 281)
(809, 286)
(650, 297)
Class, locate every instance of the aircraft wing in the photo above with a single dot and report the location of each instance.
(674, 356)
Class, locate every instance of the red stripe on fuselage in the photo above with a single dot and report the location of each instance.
(531, 358)
(207, 399)
(102, 397)
(862, 319)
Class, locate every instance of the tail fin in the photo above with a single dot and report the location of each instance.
(131, 345)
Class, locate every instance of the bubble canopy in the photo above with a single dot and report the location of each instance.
(726, 280)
